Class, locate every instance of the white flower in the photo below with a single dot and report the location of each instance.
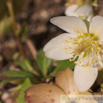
(81, 42)
(85, 11)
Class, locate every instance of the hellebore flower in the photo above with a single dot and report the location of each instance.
(85, 11)
(81, 42)
(47, 93)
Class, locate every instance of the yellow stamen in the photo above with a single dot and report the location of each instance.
(66, 42)
(67, 37)
(89, 65)
(93, 61)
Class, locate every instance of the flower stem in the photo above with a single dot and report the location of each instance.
(10, 8)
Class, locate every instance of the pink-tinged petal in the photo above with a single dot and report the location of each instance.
(43, 93)
(56, 48)
(96, 26)
(84, 77)
(64, 80)
(70, 24)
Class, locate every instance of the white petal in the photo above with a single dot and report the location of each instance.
(96, 26)
(84, 10)
(70, 24)
(101, 36)
(84, 77)
(55, 48)
(70, 10)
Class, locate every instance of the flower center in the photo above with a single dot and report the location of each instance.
(86, 43)
(87, 47)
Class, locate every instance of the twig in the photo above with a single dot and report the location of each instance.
(10, 8)
(32, 48)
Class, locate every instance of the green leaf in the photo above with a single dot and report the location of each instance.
(12, 79)
(16, 56)
(61, 65)
(5, 26)
(14, 73)
(43, 62)
(21, 98)
(19, 76)
(26, 65)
